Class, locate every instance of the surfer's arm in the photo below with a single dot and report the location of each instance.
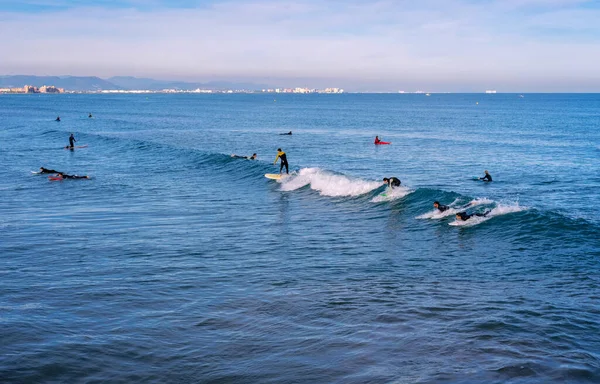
(276, 158)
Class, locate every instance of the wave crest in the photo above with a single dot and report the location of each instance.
(328, 183)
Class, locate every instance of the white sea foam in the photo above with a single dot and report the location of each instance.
(499, 210)
(389, 195)
(453, 210)
(327, 183)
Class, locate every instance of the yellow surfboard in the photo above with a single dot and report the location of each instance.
(274, 176)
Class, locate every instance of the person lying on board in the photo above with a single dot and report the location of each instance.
(392, 182)
(253, 157)
(57, 118)
(289, 133)
(65, 176)
(487, 177)
(46, 170)
(464, 216)
(442, 208)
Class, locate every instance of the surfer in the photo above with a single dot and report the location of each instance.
(253, 157)
(440, 207)
(72, 141)
(377, 141)
(392, 182)
(464, 216)
(281, 155)
(57, 118)
(46, 170)
(289, 133)
(487, 176)
(90, 115)
(65, 176)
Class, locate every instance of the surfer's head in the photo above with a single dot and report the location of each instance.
(486, 172)
(462, 216)
(436, 204)
(278, 149)
(386, 180)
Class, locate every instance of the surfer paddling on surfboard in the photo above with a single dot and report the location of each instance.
(253, 157)
(63, 176)
(487, 176)
(281, 155)
(46, 170)
(464, 216)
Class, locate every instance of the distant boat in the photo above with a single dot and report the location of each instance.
(521, 96)
(428, 94)
(490, 91)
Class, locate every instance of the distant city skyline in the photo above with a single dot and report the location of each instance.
(432, 45)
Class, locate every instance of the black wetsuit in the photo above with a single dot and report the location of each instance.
(281, 155)
(487, 177)
(465, 216)
(443, 208)
(72, 141)
(45, 170)
(394, 182)
(64, 176)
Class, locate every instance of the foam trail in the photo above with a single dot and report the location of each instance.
(327, 183)
(497, 211)
(396, 193)
(436, 214)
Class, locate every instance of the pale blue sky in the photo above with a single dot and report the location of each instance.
(433, 45)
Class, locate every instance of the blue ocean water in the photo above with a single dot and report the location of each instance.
(177, 263)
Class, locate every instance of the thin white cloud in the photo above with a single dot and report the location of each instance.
(448, 44)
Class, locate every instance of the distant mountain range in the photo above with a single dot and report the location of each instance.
(93, 83)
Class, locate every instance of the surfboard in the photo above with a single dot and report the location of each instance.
(77, 146)
(274, 176)
(36, 173)
(55, 178)
(383, 143)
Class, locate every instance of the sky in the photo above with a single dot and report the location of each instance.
(430, 45)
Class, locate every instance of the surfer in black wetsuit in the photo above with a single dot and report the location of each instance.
(253, 157)
(392, 182)
(72, 141)
(90, 115)
(440, 207)
(281, 155)
(65, 176)
(487, 177)
(46, 170)
(57, 118)
(464, 216)
(289, 133)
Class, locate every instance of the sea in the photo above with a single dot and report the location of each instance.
(178, 263)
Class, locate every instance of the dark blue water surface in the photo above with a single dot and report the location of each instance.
(177, 263)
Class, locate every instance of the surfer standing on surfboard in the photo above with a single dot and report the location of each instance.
(281, 155)
(72, 141)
